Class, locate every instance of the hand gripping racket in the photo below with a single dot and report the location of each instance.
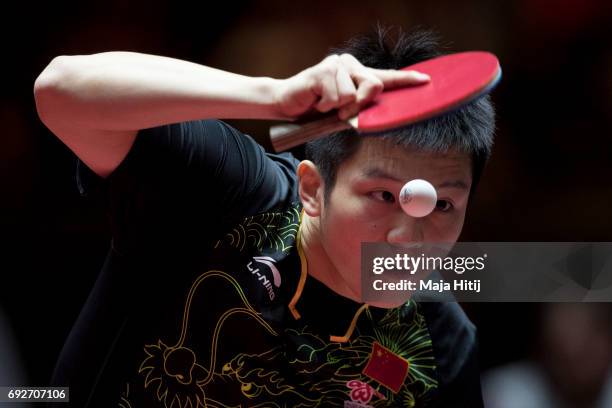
(456, 79)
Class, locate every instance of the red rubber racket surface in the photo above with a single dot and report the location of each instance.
(455, 79)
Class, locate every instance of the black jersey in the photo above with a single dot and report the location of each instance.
(205, 300)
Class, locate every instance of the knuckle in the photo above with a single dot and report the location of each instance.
(346, 57)
(370, 89)
(329, 69)
(332, 59)
(375, 84)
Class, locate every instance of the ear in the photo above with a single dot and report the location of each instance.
(311, 188)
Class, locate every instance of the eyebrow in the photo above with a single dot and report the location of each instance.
(375, 172)
(454, 184)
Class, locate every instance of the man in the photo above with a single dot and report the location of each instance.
(233, 275)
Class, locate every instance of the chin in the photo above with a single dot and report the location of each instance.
(386, 305)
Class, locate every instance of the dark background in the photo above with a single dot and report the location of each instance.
(548, 180)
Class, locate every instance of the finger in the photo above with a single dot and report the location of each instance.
(395, 78)
(347, 93)
(324, 80)
(368, 89)
(328, 92)
(368, 84)
(348, 111)
(389, 78)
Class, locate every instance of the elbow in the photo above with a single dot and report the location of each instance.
(50, 88)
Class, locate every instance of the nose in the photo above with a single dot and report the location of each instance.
(406, 230)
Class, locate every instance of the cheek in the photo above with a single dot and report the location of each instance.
(343, 234)
(352, 217)
(356, 220)
(344, 208)
(445, 228)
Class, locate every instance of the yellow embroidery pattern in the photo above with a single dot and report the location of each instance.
(314, 374)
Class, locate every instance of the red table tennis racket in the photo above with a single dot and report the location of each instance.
(456, 79)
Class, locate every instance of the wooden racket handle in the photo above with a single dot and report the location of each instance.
(288, 135)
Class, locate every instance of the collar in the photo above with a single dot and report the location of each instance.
(300, 289)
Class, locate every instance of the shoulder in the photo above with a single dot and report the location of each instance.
(212, 145)
(192, 180)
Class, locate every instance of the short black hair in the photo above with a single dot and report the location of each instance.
(468, 129)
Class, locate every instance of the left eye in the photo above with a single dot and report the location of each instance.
(384, 196)
(444, 205)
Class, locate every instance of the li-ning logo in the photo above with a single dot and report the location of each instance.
(276, 277)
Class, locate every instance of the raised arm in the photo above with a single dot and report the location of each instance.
(97, 103)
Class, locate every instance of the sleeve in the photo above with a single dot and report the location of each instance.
(455, 348)
(182, 184)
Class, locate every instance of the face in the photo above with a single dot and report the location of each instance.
(363, 205)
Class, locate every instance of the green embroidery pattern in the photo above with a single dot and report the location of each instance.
(273, 230)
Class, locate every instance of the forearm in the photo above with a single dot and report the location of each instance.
(130, 91)
(96, 104)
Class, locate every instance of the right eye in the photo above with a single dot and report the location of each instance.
(383, 196)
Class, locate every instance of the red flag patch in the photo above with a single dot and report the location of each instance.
(386, 367)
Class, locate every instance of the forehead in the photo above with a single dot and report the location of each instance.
(381, 158)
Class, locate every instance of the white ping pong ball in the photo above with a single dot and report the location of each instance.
(418, 198)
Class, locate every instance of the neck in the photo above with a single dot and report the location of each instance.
(320, 265)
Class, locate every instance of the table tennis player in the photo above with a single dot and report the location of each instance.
(232, 277)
